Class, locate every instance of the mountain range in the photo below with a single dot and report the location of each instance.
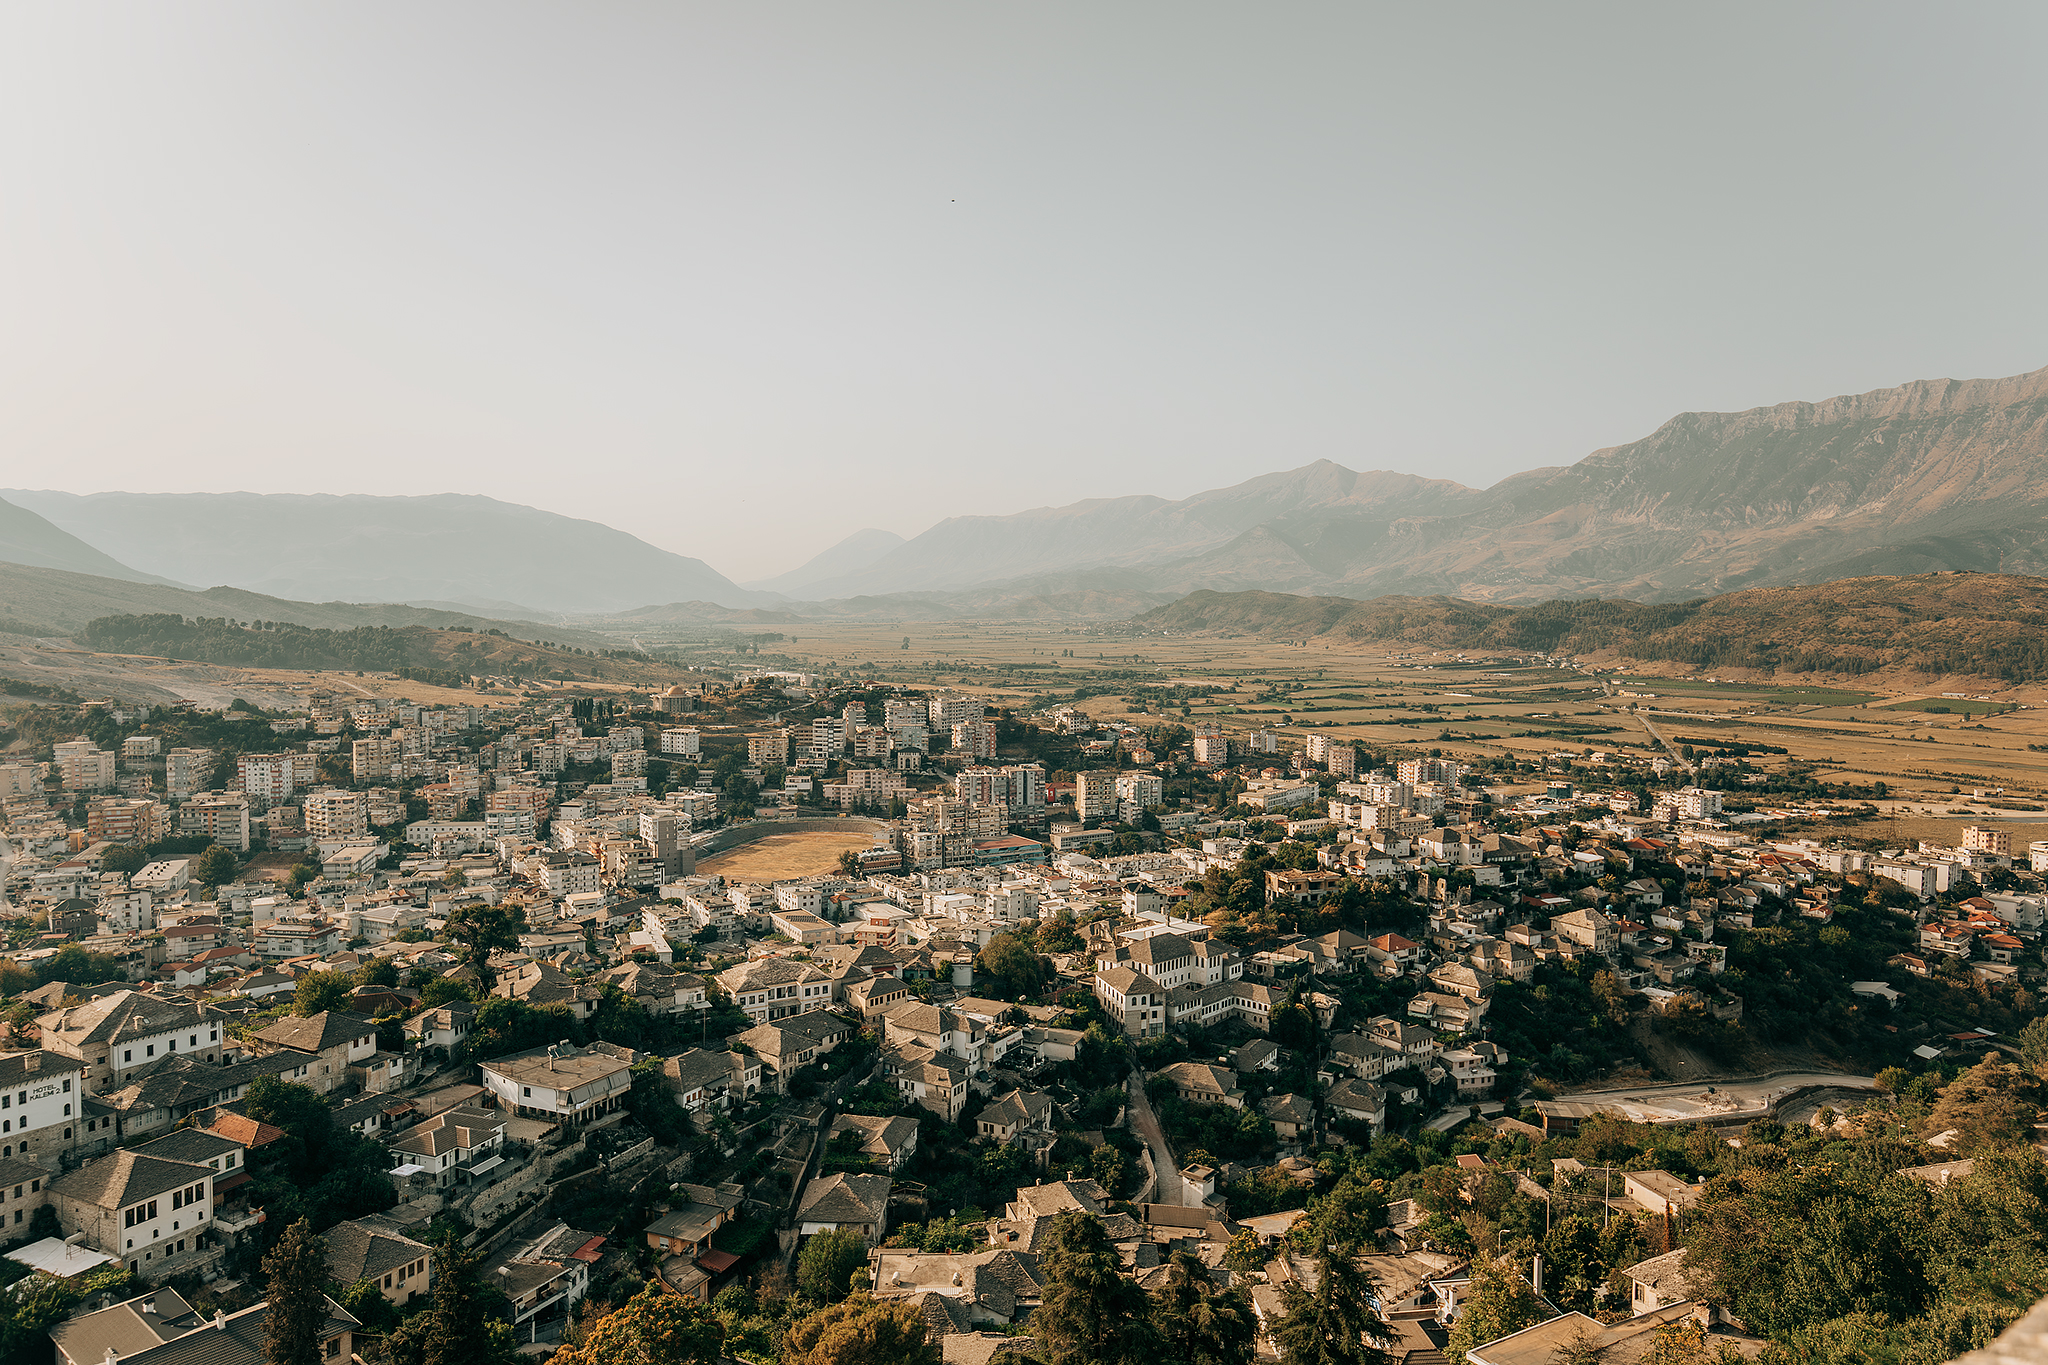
(449, 548)
(1937, 474)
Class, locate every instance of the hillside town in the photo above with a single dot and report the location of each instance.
(1248, 1013)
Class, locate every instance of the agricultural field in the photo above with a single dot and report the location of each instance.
(1856, 733)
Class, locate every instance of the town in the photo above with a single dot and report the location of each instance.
(1311, 1036)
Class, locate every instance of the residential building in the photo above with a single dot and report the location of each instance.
(332, 813)
(1133, 998)
(327, 1045)
(374, 1249)
(1996, 842)
(845, 1201)
(221, 816)
(682, 743)
(563, 1083)
(695, 1213)
(1095, 795)
(372, 759)
(160, 1328)
(456, 1147)
(40, 1097)
(268, 777)
(699, 1078)
(773, 988)
(146, 1211)
(127, 1030)
(888, 1142)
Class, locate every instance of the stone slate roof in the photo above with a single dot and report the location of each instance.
(120, 1179)
(329, 1028)
(194, 1145)
(123, 1016)
(368, 1250)
(845, 1198)
(16, 1068)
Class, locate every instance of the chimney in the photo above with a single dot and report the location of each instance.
(220, 1320)
(32, 1062)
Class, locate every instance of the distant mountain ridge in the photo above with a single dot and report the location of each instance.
(26, 538)
(1936, 474)
(1931, 475)
(367, 548)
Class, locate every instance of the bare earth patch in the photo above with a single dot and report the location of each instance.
(782, 856)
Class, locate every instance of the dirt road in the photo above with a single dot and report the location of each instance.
(1147, 1125)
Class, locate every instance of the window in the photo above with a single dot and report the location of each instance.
(195, 1040)
(213, 1035)
(67, 1114)
(128, 1055)
(67, 1087)
(35, 1187)
(526, 1092)
(229, 1164)
(174, 1045)
(149, 1050)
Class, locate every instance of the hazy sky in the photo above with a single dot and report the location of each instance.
(741, 278)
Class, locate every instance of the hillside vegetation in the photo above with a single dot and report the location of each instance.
(1989, 625)
(446, 657)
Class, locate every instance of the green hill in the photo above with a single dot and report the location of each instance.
(1988, 625)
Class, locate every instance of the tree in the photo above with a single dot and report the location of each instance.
(318, 991)
(216, 865)
(442, 989)
(1011, 959)
(122, 858)
(1497, 1302)
(849, 863)
(479, 931)
(828, 1261)
(1089, 1313)
(861, 1331)
(2033, 1041)
(1335, 1323)
(458, 1326)
(1199, 1324)
(296, 1269)
(1991, 1104)
(378, 971)
(655, 1327)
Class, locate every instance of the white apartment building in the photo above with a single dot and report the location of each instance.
(268, 777)
(1210, 745)
(568, 874)
(942, 713)
(683, 743)
(371, 760)
(1095, 795)
(974, 739)
(1695, 803)
(140, 746)
(1026, 782)
(563, 1083)
(84, 766)
(1138, 792)
(336, 814)
(187, 772)
(769, 749)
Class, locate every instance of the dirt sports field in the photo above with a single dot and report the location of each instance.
(782, 856)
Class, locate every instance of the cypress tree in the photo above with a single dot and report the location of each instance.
(297, 1270)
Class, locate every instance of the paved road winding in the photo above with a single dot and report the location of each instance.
(1147, 1124)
